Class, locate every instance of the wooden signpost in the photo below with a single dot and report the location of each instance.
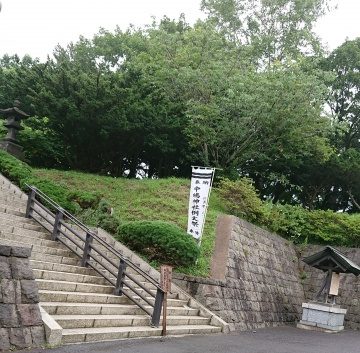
(165, 282)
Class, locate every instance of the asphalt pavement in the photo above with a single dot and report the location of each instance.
(271, 340)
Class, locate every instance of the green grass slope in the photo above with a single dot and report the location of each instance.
(132, 200)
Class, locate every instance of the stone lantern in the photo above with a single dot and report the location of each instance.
(323, 314)
(13, 117)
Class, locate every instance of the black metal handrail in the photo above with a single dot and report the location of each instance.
(93, 255)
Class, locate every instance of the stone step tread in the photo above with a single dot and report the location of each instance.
(81, 279)
(79, 308)
(40, 249)
(102, 330)
(78, 277)
(107, 305)
(71, 269)
(14, 204)
(60, 259)
(23, 226)
(6, 207)
(9, 189)
(108, 295)
(25, 231)
(119, 317)
(19, 198)
(67, 269)
(20, 219)
(77, 293)
(90, 285)
(28, 239)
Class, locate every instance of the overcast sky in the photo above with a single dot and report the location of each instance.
(36, 26)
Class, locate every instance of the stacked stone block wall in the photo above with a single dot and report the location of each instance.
(20, 320)
(259, 280)
(260, 285)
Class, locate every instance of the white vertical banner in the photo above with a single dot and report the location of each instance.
(201, 183)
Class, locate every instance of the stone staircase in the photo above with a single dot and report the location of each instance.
(81, 301)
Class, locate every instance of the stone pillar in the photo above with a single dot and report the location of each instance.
(20, 320)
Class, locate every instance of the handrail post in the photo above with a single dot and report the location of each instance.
(86, 255)
(120, 278)
(58, 218)
(155, 319)
(30, 202)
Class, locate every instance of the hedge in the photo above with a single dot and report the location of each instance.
(160, 241)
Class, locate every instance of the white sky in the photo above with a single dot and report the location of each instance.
(36, 26)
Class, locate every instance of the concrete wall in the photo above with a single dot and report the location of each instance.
(349, 291)
(20, 320)
(255, 278)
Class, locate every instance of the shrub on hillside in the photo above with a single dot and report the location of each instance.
(317, 226)
(21, 174)
(101, 217)
(241, 199)
(160, 241)
(84, 199)
(14, 169)
(292, 222)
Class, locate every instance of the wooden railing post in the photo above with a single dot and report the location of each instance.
(30, 203)
(59, 217)
(86, 255)
(120, 278)
(155, 318)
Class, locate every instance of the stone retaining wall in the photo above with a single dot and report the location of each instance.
(20, 320)
(258, 279)
(255, 274)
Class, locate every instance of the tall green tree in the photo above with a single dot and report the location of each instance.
(275, 30)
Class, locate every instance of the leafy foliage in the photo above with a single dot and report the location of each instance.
(160, 241)
(100, 216)
(292, 222)
(240, 198)
(21, 174)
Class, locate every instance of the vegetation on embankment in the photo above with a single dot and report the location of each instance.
(91, 197)
(109, 202)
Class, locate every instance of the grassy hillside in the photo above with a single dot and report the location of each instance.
(163, 199)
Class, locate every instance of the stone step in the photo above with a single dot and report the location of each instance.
(64, 286)
(9, 228)
(27, 226)
(83, 278)
(32, 240)
(11, 210)
(150, 287)
(13, 201)
(10, 189)
(48, 295)
(7, 207)
(69, 277)
(45, 250)
(81, 297)
(87, 321)
(61, 308)
(17, 219)
(114, 333)
(59, 267)
(63, 260)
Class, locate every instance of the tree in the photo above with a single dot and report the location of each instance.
(275, 30)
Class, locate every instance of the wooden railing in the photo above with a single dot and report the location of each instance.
(97, 254)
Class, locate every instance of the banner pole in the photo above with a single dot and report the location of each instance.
(207, 206)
